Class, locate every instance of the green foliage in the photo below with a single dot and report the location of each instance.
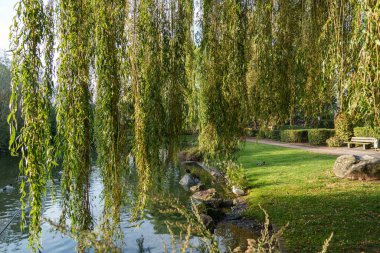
(74, 109)
(5, 93)
(319, 136)
(270, 134)
(367, 132)
(31, 87)
(275, 135)
(294, 136)
(110, 115)
(222, 85)
(234, 173)
(191, 154)
(132, 70)
(250, 132)
(334, 141)
(343, 127)
(263, 133)
(365, 96)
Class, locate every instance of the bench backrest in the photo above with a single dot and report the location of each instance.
(363, 139)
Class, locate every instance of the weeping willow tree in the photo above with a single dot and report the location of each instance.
(32, 89)
(222, 86)
(275, 61)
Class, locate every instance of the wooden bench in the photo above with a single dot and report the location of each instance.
(365, 141)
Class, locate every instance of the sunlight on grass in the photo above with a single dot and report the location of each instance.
(299, 187)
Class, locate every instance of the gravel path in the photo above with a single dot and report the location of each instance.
(321, 150)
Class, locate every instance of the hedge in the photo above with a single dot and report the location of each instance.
(269, 134)
(367, 132)
(275, 135)
(294, 135)
(319, 136)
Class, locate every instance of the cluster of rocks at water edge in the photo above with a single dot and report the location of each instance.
(212, 207)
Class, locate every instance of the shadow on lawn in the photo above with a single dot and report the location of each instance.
(353, 216)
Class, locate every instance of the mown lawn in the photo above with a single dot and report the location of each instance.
(299, 187)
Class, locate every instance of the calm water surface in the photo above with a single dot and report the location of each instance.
(152, 229)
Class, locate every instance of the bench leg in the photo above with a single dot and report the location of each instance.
(365, 146)
(349, 145)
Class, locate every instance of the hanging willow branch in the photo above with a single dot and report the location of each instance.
(365, 97)
(222, 87)
(74, 109)
(32, 89)
(109, 124)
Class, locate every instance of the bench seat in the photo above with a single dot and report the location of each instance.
(365, 141)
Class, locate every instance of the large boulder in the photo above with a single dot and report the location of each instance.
(189, 180)
(357, 167)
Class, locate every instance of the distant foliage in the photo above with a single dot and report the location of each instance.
(234, 174)
(373, 132)
(5, 93)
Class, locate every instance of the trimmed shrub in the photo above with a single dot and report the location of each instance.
(292, 127)
(269, 134)
(334, 142)
(367, 132)
(294, 136)
(319, 136)
(343, 127)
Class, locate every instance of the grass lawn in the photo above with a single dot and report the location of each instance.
(299, 187)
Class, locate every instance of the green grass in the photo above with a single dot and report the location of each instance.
(299, 187)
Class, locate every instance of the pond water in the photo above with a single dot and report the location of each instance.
(152, 226)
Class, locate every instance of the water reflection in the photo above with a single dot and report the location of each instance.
(99, 217)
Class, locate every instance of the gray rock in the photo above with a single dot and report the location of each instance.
(358, 168)
(208, 197)
(188, 180)
(8, 188)
(207, 221)
(205, 195)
